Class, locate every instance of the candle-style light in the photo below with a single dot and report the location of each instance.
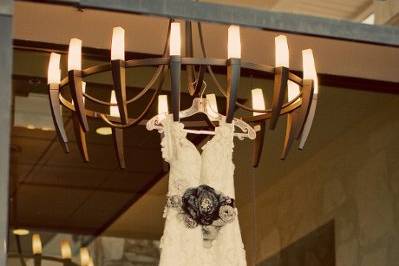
(163, 104)
(75, 54)
(118, 44)
(309, 69)
(212, 106)
(66, 251)
(84, 256)
(258, 101)
(175, 39)
(293, 90)
(54, 71)
(113, 109)
(37, 247)
(282, 53)
(234, 42)
(309, 72)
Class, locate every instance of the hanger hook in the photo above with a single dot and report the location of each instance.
(203, 90)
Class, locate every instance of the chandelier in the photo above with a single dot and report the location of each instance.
(293, 95)
(38, 257)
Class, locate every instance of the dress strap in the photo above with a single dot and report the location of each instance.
(172, 132)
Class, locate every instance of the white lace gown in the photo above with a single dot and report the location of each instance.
(182, 246)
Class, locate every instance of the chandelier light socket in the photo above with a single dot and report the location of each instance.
(75, 54)
(234, 42)
(258, 101)
(119, 80)
(118, 44)
(75, 83)
(54, 71)
(258, 144)
(56, 113)
(175, 77)
(233, 77)
(303, 111)
(279, 88)
(282, 53)
(175, 39)
(310, 115)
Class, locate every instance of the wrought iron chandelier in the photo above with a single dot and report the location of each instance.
(300, 92)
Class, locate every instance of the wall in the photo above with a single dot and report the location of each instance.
(353, 181)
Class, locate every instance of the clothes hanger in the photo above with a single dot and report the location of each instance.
(208, 106)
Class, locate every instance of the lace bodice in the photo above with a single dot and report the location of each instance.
(190, 168)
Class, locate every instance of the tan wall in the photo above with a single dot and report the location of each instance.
(353, 180)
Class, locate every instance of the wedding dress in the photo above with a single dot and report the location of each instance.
(201, 226)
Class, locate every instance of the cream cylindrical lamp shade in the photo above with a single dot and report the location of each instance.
(66, 251)
(258, 101)
(113, 110)
(234, 42)
(212, 106)
(37, 247)
(91, 263)
(118, 44)
(309, 68)
(75, 54)
(163, 104)
(293, 90)
(84, 256)
(54, 71)
(282, 53)
(175, 39)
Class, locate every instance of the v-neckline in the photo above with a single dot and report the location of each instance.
(204, 147)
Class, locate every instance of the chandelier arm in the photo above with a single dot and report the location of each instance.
(133, 122)
(57, 116)
(267, 116)
(149, 84)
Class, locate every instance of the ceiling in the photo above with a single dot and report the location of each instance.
(337, 9)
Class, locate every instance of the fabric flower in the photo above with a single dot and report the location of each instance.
(202, 204)
(174, 201)
(189, 222)
(227, 213)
